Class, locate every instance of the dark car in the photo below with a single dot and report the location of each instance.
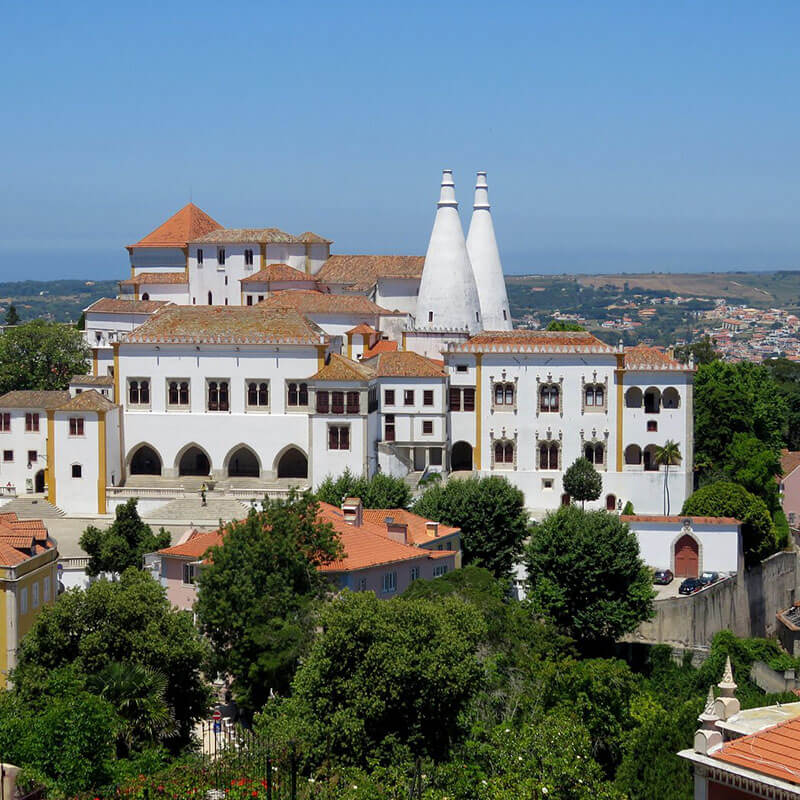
(663, 576)
(709, 577)
(690, 586)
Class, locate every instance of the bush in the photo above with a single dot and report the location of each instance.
(379, 491)
(726, 499)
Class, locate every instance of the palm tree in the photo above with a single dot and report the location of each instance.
(668, 455)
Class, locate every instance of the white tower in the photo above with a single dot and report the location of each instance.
(448, 296)
(485, 258)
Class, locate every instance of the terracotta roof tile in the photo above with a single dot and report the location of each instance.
(90, 400)
(774, 751)
(403, 364)
(196, 546)
(160, 278)
(277, 272)
(9, 556)
(642, 357)
(93, 380)
(19, 541)
(246, 236)
(307, 237)
(525, 341)
(227, 325)
(363, 328)
(30, 398)
(790, 461)
(361, 272)
(417, 525)
(340, 368)
(112, 305)
(383, 346)
(310, 301)
(183, 226)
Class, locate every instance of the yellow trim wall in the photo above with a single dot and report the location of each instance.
(263, 255)
(349, 345)
(478, 383)
(619, 372)
(94, 361)
(51, 457)
(321, 356)
(117, 395)
(101, 461)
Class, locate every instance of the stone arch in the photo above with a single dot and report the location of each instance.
(649, 455)
(144, 459)
(611, 502)
(291, 462)
(686, 554)
(652, 400)
(39, 482)
(242, 462)
(461, 457)
(633, 454)
(670, 398)
(633, 397)
(193, 460)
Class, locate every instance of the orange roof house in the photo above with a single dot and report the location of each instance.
(181, 228)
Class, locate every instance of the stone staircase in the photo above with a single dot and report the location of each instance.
(192, 508)
(412, 479)
(32, 508)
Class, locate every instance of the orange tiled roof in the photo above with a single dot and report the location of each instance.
(363, 328)
(21, 539)
(403, 364)
(417, 525)
(90, 400)
(162, 278)
(383, 346)
(340, 368)
(277, 272)
(93, 380)
(642, 357)
(525, 341)
(111, 305)
(361, 272)
(33, 398)
(311, 301)
(227, 325)
(9, 556)
(182, 227)
(679, 519)
(307, 237)
(774, 751)
(246, 236)
(195, 546)
(790, 461)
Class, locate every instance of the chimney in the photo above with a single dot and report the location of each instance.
(397, 531)
(353, 511)
(708, 736)
(432, 528)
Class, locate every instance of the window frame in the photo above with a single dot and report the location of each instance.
(139, 404)
(199, 256)
(427, 397)
(389, 582)
(427, 423)
(258, 406)
(387, 394)
(76, 468)
(221, 257)
(299, 390)
(169, 405)
(219, 382)
(389, 423)
(409, 396)
(79, 426)
(335, 431)
(190, 569)
(8, 453)
(31, 422)
(5, 422)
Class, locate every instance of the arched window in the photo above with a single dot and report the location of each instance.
(139, 392)
(257, 394)
(504, 452)
(594, 396)
(218, 396)
(549, 397)
(504, 394)
(549, 455)
(650, 462)
(611, 502)
(652, 401)
(146, 296)
(594, 452)
(178, 393)
(670, 398)
(633, 454)
(210, 299)
(297, 394)
(633, 397)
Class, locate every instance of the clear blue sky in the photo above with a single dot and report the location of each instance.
(630, 136)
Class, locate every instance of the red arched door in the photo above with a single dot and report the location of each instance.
(687, 557)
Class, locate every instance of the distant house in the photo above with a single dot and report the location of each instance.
(381, 557)
(790, 486)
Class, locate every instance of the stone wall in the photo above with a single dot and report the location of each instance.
(771, 681)
(745, 604)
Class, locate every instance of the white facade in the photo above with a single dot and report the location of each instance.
(23, 450)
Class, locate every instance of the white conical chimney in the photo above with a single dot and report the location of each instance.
(485, 259)
(448, 296)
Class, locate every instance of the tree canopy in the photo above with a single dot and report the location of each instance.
(563, 325)
(703, 352)
(491, 514)
(12, 317)
(379, 491)
(41, 355)
(123, 544)
(727, 499)
(130, 622)
(256, 594)
(582, 481)
(586, 576)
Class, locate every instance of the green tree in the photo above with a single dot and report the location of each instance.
(726, 499)
(12, 317)
(81, 323)
(582, 481)
(667, 455)
(754, 465)
(628, 511)
(585, 575)
(563, 325)
(368, 691)
(123, 544)
(491, 514)
(257, 593)
(41, 355)
(703, 352)
(130, 621)
(380, 491)
(787, 379)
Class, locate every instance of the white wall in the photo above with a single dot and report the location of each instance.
(19, 442)
(157, 259)
(76, 495)
(398, 294)
(326, 462)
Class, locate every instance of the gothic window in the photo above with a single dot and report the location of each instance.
(139, 392)
(353, 403)
(549, 398)
(338, 437)
(594, 453)
(504, 394)
(178, 393)
(594, 397)
(257, 394)
(549, 455)
(503, 452)
(218, 397)
(297, 394)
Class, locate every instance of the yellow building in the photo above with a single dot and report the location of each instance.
(28, 582)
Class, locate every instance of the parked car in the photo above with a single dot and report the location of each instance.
(663, 577)
(690, 586)
(708, 577)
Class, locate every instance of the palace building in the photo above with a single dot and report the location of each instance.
(251, 359)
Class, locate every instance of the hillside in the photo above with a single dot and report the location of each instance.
(61, 301)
